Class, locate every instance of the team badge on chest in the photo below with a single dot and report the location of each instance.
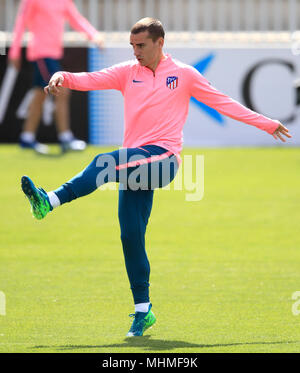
(172, 82)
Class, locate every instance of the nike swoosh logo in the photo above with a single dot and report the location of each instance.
(137, 81)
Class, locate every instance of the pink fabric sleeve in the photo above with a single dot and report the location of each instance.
(78, 22)
(24, 13)
(204, 92)
(113, 77)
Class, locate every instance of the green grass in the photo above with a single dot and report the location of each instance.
(223, 270)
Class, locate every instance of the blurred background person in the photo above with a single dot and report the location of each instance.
(45, 20)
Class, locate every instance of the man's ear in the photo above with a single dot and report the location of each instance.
(161, 42)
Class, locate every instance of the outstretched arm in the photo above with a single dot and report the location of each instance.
(113, 77)
(204, 92)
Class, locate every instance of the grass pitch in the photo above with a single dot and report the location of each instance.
(223, 270)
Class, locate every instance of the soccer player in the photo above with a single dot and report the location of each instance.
(45, 20)
(157, 90)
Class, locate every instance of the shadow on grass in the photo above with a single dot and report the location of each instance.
(54, 153)
(149, 344)
(51, 155)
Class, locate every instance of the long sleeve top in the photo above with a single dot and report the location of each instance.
(156, 104)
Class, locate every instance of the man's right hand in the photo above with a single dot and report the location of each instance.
(16, 63)
(55, 85)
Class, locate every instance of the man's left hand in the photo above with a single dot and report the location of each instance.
(280, 132)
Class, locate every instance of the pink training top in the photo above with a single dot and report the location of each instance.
(45, 19)
(156, 105)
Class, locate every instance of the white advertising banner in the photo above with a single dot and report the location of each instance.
(261, 79)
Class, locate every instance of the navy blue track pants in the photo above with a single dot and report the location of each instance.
(139, 172)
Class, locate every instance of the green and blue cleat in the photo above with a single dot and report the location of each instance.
(38, 198)
(142, 321)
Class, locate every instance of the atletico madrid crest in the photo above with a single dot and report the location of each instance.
(172, 82)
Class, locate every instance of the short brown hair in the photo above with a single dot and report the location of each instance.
(152, 25)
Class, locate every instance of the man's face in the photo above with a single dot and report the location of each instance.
(145, 50)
